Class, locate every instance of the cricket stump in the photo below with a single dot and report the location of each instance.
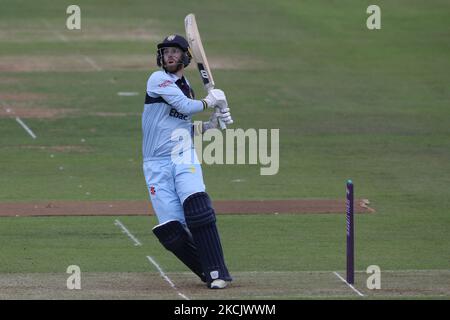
(350, 235)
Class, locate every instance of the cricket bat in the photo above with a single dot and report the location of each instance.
(198, 53)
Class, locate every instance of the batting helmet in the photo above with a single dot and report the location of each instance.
(174, 41)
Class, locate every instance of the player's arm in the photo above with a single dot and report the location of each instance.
(169, 91)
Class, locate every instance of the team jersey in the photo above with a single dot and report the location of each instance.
(169, 105)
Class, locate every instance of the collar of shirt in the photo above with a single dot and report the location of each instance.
(183, 85)
(174, 77)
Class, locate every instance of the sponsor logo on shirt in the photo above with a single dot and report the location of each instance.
(174, 113)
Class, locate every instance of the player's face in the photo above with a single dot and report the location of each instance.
(172, 57)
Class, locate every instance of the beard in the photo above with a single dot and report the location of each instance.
(173, 67)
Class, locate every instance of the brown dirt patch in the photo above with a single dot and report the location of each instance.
(21, 34)
(133, 208)
(102, 34)
(235, 63)
(110, 62)
(33, 112)
(24, 105)
(9, 80)
(150, 285)
(29, 64)
(23, 96)
(115, 114)
(403, 284)
(62, 149)
(74, 63)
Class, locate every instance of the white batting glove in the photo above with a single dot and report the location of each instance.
(215, 97)
(222, 114)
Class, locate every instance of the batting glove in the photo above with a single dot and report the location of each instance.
(222, 114)
(215, 98)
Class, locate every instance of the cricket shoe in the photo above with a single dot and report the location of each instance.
(218, 284)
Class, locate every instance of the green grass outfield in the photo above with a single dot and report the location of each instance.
(372, 106)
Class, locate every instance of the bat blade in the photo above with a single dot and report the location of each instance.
(198, 53)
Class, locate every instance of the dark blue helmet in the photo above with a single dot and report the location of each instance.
(174, 41)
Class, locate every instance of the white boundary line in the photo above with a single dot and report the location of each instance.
(31, 133)
(138, 243)
(63, 38)
(19, 121)
(127, 93)
(58, 34)
(352, 287)
(92, 63)
(166, 277)
(127, 232)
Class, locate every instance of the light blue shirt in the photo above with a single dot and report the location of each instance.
(166, 109)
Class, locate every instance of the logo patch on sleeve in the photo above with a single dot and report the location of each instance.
(152, 191)
(165, 84)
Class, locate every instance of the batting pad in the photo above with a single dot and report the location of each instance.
(201, 220)
(175, 238)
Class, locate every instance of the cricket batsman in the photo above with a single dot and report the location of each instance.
(187, 221)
